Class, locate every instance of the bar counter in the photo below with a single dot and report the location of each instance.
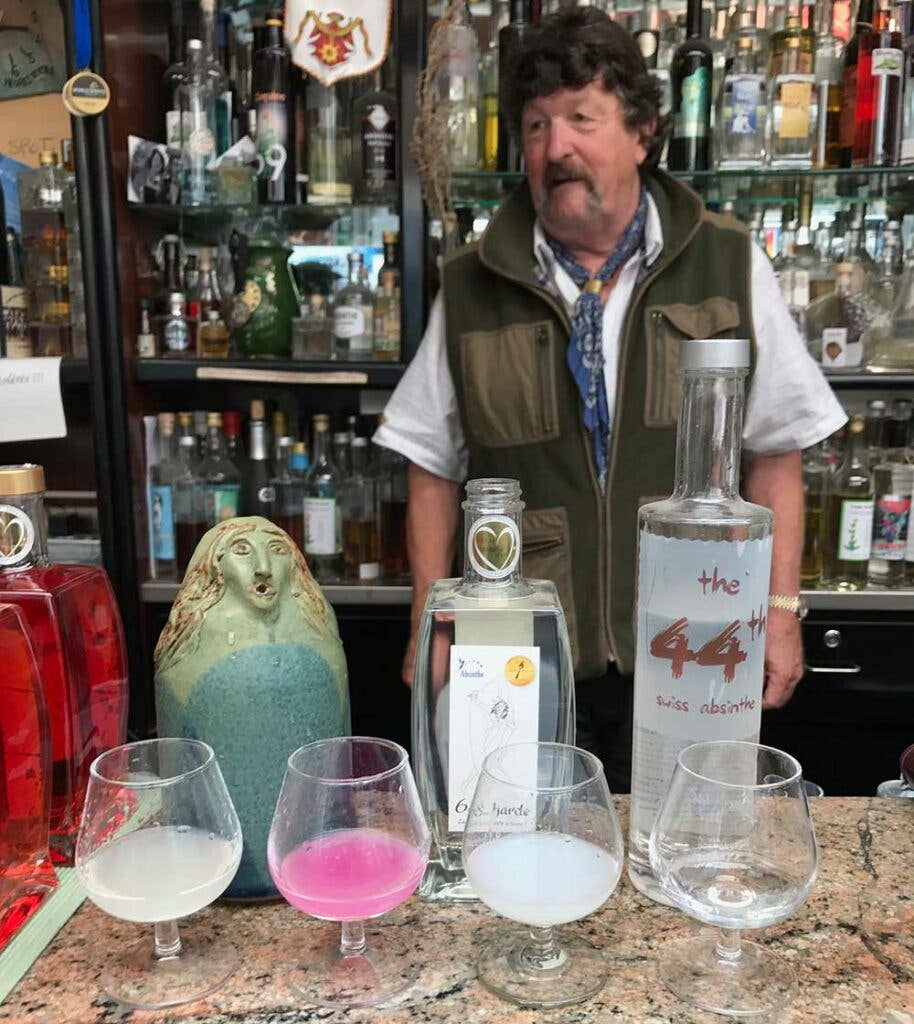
(852, 946)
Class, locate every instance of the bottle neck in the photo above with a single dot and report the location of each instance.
(355, 270)
(694, 20)
(321, 446)
(215, 444)
(24, 540)
(258, 447)
(709, 435)
(166, 447)
(493, 543)
(824, 17)
(208, 30)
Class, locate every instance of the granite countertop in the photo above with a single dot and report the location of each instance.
(852, 946)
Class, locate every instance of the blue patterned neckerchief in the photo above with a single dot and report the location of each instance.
(585, 347)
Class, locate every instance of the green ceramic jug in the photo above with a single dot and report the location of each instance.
(263, 307)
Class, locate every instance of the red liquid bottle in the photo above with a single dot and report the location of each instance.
(76, 630)
(26, 873)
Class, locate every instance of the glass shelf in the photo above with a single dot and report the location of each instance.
(867, 379)
(306, 216)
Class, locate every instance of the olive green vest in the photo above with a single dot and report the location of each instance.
(521, 410)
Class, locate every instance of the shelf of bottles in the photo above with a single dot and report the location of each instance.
(279, 201)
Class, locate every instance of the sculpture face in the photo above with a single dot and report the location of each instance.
(255, 567)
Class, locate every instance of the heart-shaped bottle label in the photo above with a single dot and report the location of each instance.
(493, 546)
(17, 535)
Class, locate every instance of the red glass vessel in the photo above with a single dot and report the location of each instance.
(76, 630)
(26, 873)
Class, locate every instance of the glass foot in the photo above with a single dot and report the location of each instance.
(384, 970)
(757, 983)
(142, 981)
(511, 967)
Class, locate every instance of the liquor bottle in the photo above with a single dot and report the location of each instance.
(493, 666)
(176, 328)
(14, 303)
(883, 290)
(340, 444)
(815, 483)
(391, 264)
(792, 100)
(312, 332)
(76, 630)
(359, 505)
(849, 75)
(25, 778)
(271, 84)
(510, 152)
(329, 145)
(892, 485)
(209, 294)
(897, 431)
(387, 318)
(258, 490)
(186, 429)
(300, 461)
(213, 337)
(878, 112)
(836, 321)
(743, 98)
(175, 73)
(719, 40)
(704, 561)
(189, 511)
(458, 86)
(488, 110)
(374, 145)
(353, 315)
(289, 489)
(690, 73)
(877, 413)
(191, 291)
(45, 252)
(145, 339)
(849, 516)
(195, 99)
(227, 58)
(161, 480)
(277, 433)
(904, 15)
(323, 518)
(168, 256)
(828, 60)
(221, 482)
(217, 75)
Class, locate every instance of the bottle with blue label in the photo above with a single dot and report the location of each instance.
(691, 72)
(161, 499)
(743, 100)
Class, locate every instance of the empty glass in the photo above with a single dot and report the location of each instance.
(349, 842)
(542, 847)
(159, 840)
(733, 846)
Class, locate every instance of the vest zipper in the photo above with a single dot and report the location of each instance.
(542, 342)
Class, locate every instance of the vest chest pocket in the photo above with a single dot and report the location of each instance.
(666, 327)
(509, 385)
(547, 556)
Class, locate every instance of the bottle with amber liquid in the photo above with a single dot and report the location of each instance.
(76, 629)
(878, 112)
(815, 482)
(829, 53)
(849, 76)
(213, 337)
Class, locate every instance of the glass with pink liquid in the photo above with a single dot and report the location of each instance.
(349, 842)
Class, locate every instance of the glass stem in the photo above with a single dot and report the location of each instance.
(352, 940)
(729, 945)
(542, 953)
(168, 941)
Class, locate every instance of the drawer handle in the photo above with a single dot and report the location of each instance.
(838, 670)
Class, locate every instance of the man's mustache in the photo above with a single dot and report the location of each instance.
(559, 173)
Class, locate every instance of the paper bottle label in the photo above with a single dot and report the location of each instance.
(163, 523)
(855, 531)
(320, 526)
(890, 527)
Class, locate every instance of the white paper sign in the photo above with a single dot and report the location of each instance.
(31, 407)
(494, 701)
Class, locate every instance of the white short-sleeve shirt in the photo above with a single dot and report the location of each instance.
(790, 404)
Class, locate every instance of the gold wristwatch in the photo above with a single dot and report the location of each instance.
(788, 603)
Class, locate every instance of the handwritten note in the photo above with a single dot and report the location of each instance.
(31, 407)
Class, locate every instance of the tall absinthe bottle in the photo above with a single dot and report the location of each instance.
(704, 562)
(493, 667)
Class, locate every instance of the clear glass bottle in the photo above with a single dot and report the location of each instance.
(849, 515)
(196, 103)
(341, 443)
(289, 488)
(387, 318)
(743, 99)
(323, 516)
(176, 328)
(815, 482)
(892, 485)
(904, 15)
(75, 626)
(835, 323)
(883, 292)
(792, 98)
(877, 413)
(493, 666)
(458, 86)
(353, 315)
(221, 482)
(161, 480)
(312, 332)
(828, 61)
(217, 75)
(488, 111)
(213, 337)
(359, 503)
(189, 511)
(329, 145)
(704, 561)
(145, 339)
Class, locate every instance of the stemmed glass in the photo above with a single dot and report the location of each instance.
(733, 846)
(159, 840)
(349, 842)
(542, 847)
